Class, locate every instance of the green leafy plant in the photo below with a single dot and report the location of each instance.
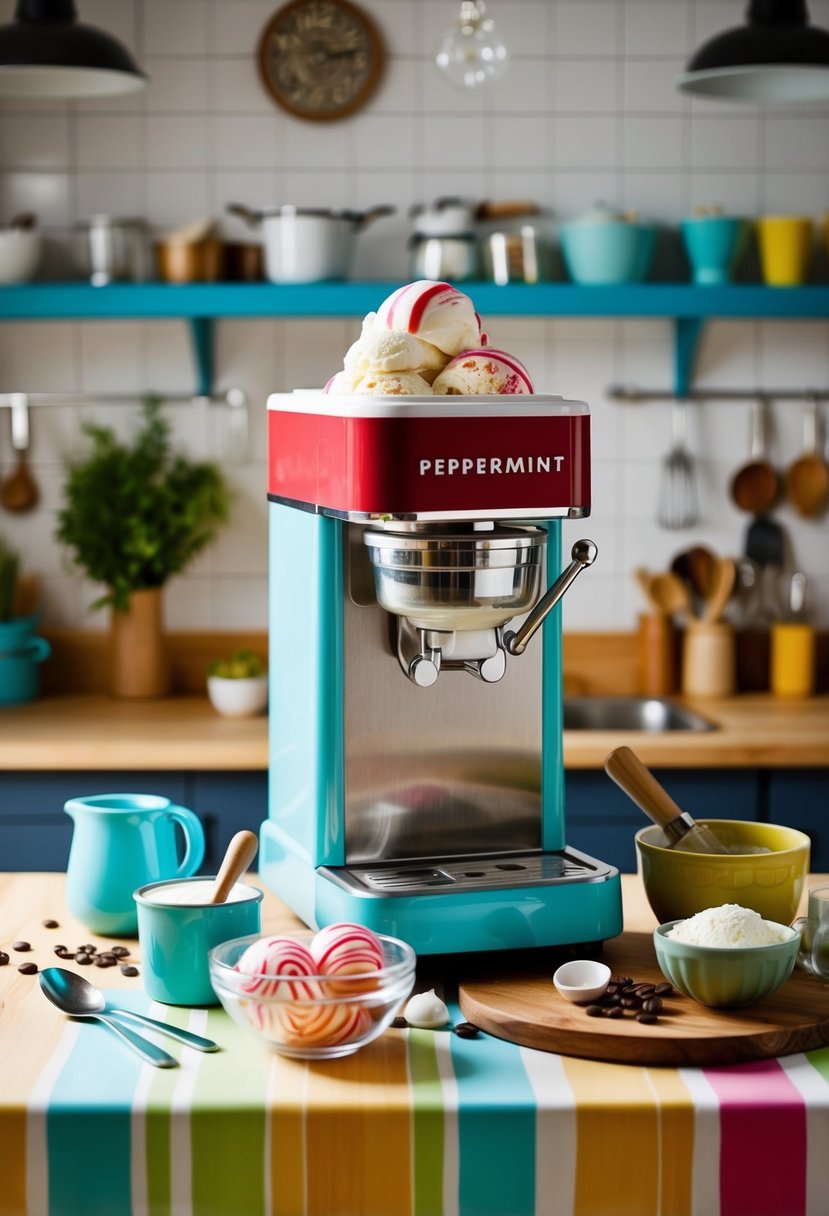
(9, 567)
(242, 665)
(135, 514)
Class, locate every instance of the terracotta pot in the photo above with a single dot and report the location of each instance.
(139, 666)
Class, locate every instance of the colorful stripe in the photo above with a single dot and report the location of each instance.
(763, 1141)
(420, 1123)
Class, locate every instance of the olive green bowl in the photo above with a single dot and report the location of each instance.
(679, 883)
(725, 977)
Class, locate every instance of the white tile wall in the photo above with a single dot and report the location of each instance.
(586, 111)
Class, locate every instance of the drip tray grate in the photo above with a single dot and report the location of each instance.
(489, 872)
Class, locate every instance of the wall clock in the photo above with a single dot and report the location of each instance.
(321, 59)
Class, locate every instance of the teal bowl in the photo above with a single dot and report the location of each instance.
(606, 253)
(725, 978)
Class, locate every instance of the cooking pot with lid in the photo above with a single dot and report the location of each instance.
(307, 244)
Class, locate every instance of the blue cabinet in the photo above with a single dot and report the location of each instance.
(35, 833)
(799, 798)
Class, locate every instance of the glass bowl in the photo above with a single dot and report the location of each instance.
(725, 977)
(315, 1017)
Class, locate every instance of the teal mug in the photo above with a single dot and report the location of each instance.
(19, 676)
(714, 245)
(177, 929)
(120, 842)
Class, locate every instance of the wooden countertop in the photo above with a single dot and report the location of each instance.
(98, 732)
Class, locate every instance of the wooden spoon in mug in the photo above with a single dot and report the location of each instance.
(238, 856)
(672, 595)
(723, 578)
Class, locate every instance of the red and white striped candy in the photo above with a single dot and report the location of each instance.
(282, 958)
(322, 1025)
(348, 950)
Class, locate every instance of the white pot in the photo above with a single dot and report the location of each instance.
(308, 245)
(19, 254)
(238, 698)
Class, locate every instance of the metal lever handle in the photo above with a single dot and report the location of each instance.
(583, 554)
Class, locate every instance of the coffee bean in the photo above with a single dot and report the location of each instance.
(119, 951)
(611, 989)
(109, 956)
(663, 990)
(83, 958)
(100, 961)
(615, 1011)
(399, 1023)
(4, 958)
(466, 1030)
(63, 953)
(87, 949)
(50, 924)
(129, 970)
(27, 968)
(594, 1011)
(653, 1004)
(645, 990)
(21, 946)
(647, 1019)
(629, 1002)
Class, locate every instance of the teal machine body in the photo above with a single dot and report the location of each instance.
(416, 772)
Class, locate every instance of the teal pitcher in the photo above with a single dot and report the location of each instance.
(119, 843)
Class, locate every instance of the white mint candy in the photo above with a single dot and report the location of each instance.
(426, 1010)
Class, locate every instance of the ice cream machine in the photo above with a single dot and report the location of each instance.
(416, 774)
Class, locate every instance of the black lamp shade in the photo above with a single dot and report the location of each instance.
(776, 57)
(46, 52)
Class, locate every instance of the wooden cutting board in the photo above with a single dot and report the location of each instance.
(525, 1008)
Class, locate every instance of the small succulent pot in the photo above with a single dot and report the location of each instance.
(243, 697)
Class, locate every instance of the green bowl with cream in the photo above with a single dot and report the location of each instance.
(725, 977)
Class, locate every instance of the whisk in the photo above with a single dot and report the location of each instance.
(677, 504)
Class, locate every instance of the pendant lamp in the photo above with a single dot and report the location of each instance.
(776, 57)
(46, 52)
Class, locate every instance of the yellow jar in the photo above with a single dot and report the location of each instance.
(785, 249)
(792, 659)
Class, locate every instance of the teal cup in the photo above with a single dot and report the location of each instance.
(120, 842)
(176, 938)
(714, 245)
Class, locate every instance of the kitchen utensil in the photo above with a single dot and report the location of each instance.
(120, 841)
(764, 544)
(754, 486)
(178, 926)
(306, 245)
(721, 587)
(238, 856)
(149, 1052)
(770, 881)
(115, 248)
(644, 580)
(582, 980)
(807, 479)
(624, 767)
(444, 217)
(452, 257)
(515, 256)
(190, 262)
(77, 997)
(19, 491)
(725, 977)
(672, 595)
(709, 660)
(521, 1008)
(677, 505)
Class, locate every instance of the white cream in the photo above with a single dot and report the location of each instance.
(196, 892)
(728, 926)
(426, 1010)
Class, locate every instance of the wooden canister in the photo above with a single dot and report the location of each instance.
(708, 660)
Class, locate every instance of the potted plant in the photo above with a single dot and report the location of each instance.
(20, 650)
(238, 686)
(135, 514)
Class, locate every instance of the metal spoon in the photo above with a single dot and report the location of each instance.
(76, 996)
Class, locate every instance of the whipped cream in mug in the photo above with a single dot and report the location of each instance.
(195, 892)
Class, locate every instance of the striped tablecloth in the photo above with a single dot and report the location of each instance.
(420, 1123)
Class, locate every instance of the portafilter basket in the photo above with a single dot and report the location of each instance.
(454, 579)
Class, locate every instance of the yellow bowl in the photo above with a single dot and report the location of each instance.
(678, 884)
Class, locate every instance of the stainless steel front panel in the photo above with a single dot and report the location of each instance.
(433, 772)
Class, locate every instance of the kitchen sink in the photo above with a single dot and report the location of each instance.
(648, 714)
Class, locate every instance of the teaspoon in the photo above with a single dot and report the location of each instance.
(77, 997)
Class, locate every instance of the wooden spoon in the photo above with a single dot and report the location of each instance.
(238, 856)
(754, 486)
(672, 595)
(683, 833)
(645, 579)
(19, 491)
(807, 479)
(722, 586)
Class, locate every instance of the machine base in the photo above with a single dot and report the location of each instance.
(566, 898)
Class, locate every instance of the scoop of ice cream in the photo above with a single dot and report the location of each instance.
(346, 951)
(426, 1010)
(388, 384)
(278, 964)
(437, 313)
(728, 926)
(483, 371)
(391, 350)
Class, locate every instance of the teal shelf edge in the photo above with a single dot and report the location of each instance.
(78, 301)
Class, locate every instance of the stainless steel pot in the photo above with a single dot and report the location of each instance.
(116, 248)
(452, 257)
(457, 580)
(308, 245)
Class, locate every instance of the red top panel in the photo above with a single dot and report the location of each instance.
(343, 455)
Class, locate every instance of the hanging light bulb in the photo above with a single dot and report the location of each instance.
(471, 53)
